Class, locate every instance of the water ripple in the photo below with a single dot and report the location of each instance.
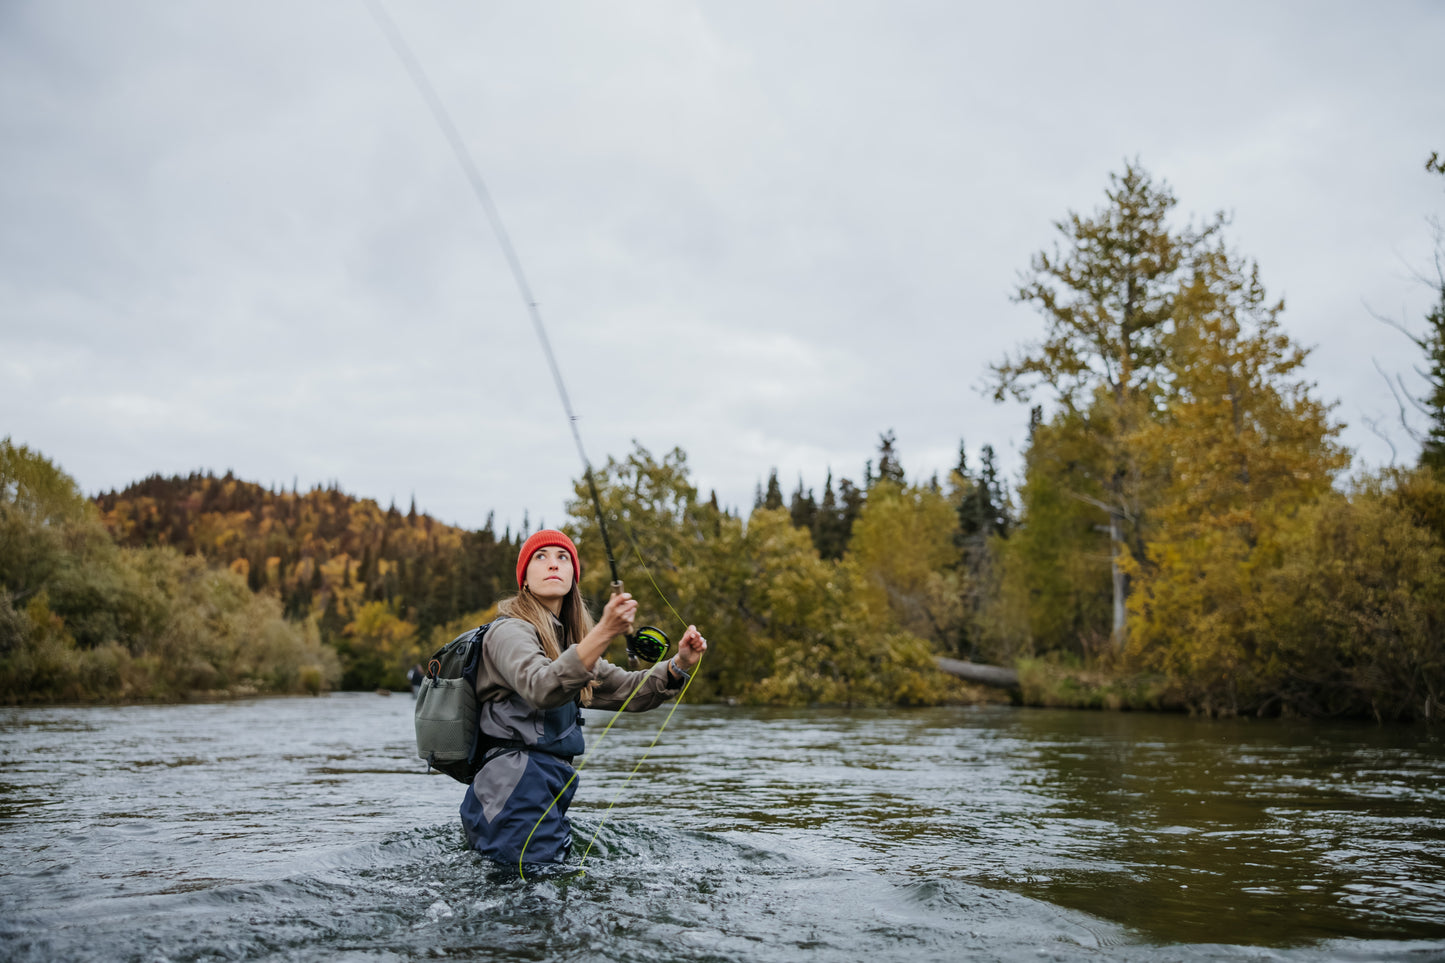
(304, 829)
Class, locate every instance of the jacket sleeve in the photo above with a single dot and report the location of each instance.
(615, 684)
(512, 656)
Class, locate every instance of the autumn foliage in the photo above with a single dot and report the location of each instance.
(375, 583)
(1185, 535)
(1203, 493)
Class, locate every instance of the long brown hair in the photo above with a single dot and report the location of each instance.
(576, 623)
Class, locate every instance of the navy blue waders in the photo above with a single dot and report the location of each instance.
(517, 784)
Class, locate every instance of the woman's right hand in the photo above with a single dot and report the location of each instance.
(616, 620)
(618, 614)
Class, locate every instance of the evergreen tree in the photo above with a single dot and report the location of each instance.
(332, 622)
(364, 571)
(963, 497)
(298, 603)
(774, 496)
(829, 535)
(889, 467)
(852, 498)
(803, 508)
(996, 515)
(982, 509)
(1432, 450)
(404, 594)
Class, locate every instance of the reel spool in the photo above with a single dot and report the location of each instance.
(647, 644)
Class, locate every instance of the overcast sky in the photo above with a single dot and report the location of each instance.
(232, 236)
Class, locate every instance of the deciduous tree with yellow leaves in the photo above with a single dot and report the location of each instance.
(1239, 446)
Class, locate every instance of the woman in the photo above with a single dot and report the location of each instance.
(541, 662)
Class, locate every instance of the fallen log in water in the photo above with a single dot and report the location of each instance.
(999, 678)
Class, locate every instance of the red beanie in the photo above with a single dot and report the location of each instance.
(545, 538)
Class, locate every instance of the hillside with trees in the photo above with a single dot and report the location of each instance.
(1186, 534)
(371, 580)
(85, 619)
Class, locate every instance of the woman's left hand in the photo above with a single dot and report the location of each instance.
(690, 648)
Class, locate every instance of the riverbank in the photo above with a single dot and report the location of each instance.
(1068, 684)
(1033, 683)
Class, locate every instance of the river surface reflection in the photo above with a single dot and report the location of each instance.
(304, 829)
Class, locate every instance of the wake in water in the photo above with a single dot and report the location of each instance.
(649, 894)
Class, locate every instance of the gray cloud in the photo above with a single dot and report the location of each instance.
(232, 237)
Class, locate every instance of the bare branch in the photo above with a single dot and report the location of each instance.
(1415, 402)
(1102, 506)
(1374, 427)
(1386, 319)
(1394, 393)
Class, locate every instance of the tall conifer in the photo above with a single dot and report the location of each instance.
(889, 467)
(774, 496)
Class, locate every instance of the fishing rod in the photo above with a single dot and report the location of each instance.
(648, 643)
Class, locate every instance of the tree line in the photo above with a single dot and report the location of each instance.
(85, 618)
(1184, 535)
(375, 582)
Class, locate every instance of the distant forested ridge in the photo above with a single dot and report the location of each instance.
(323, 554)
(86, 619)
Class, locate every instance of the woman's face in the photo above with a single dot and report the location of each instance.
(550, 573)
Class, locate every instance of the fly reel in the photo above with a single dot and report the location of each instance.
(647, 644)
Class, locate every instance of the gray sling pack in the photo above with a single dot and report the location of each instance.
(446, 708)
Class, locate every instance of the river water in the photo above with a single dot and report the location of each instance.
(304, 829)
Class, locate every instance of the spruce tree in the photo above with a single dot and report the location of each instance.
(803, 508)
(852, 498)
(298, 603)
(965, 498)
(829, 536)
(889, 467)
(774, 496)
(332, 622)
(364, 571)
(997, 512)
(1432, 450)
